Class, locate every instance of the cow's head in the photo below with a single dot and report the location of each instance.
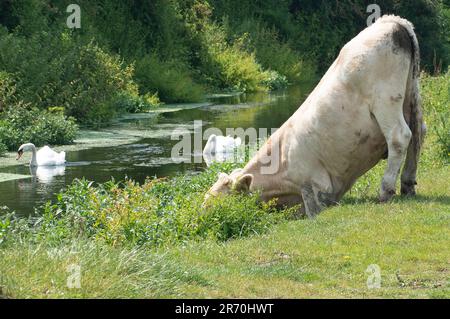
(226, 184)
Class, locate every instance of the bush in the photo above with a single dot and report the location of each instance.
(19, 125)
(137, 104)
(3, 148)
(229, 66)
(7, 90)
(171, 80)
(275, 81)
(273, 53)
(435, 93)
(56, 68)
(97, 79)
(158, 212)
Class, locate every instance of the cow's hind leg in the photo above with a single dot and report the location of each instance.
(408, 180)
(398, 135)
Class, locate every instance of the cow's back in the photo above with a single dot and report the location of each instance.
(335, 126)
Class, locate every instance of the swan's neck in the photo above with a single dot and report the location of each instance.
(33, 156)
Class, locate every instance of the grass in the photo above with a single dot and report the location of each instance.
(154, 241)
(328, 257)
(325, 257)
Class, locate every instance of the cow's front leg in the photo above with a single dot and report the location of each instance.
(315, 200)
(310, 204)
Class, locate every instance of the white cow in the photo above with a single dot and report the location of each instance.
(366, 106)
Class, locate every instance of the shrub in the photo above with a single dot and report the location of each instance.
(273, 53)
(57, 68)
(239, 71)
(20, 125)
(435, 93)
(158, 212)
(3, 148)
(229, 66)
(136, 104)
(275, 81)
(7, 90)
(96, 81)
(171, 80)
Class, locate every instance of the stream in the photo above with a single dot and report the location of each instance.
(148, 153)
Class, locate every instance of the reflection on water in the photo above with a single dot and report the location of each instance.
(46, 174)
(151, 155)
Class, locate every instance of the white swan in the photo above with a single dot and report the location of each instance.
(221, 144)
(44, 157)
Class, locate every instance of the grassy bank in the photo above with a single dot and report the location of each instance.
(326, 257)
(155, 240)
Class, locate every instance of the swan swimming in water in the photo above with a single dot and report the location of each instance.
(221, 144)
(44, 157)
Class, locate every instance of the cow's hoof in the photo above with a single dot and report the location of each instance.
(386, 196)
(408, 189)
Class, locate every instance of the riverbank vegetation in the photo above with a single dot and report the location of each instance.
(155, 239)
(131, 57)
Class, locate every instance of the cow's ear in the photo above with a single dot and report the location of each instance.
(224, 178)
(243, 183)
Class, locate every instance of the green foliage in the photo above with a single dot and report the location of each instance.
(4, 225)
(158, 212)
(97, 78)
(7, 90)
(238, 71)
(436, 103)
(20, 124)
(273, 53)
(275, 81)
(171, 80)
(325, 26)
(229, 66)
(54, 69)
(3, 148)
(137, 104)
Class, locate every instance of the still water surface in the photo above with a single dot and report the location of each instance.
(150, 155)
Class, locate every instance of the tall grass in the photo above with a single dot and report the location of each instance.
(155, 213)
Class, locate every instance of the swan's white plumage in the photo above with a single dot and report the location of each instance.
(221, 144)
(48, 157)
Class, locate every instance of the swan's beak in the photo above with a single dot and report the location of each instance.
(19, 155)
